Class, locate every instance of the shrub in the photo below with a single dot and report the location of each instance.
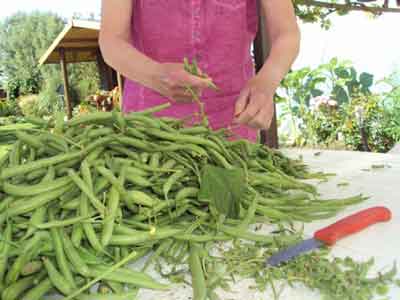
(28, 104)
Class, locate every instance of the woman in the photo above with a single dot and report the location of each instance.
(147, 40)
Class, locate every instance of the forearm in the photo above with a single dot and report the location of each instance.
(284, 51)
(127, 60)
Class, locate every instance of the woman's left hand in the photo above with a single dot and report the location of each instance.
(255, 105)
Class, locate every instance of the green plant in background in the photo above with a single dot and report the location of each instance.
(23, 39)
(50, 98)
(333, 105)
(8, 108)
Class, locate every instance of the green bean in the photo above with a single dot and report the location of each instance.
(101, 184)
(29, 140)
(88, 228)
(145, 121)
(151, 110)
(97, 117)
(144, 157)
(71, 204)
(155, 160)
(5, 203)
(36, 121)
(98, 143)
(37, 217)
(5, 246)
(183, 138)
(58, 142)
(31, 267)
(108, 226)
(58, 280)
(39, 164)
(86, 174)
(50, 175)
(196, 269)
(198, 130)
(15, 155)
(171, 181)
(72, 194)
(4, 159)
(77, 235)
(95, 154)
(32, 190)
(136, 224)
(140, 198)
(36, 174)
(59, 253)
(28, 251)
(109, 175)
(87, 190)
(133, 132)
(202, 238)
(37, 292)
(23, 206)
(169, 164)
(137, 179)
(63, 223)
(187, 192)
(219, 159)
(125, 151)
(121, 275)
(13, 291)
(142, 237)
(98, 132)
(73, 256)
(161, 248)
(135, 143)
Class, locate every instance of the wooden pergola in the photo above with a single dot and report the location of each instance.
(77, 43)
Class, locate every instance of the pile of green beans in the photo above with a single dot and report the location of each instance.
(81, 200)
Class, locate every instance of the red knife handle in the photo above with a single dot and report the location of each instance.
(352, 224)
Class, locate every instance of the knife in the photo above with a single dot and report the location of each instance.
(328, 236)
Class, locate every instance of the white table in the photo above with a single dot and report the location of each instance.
(381, 241)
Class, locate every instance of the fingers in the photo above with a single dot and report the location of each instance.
(250, 111)
(262, 120)
(197, 82)
(242, 101)
(258, 113)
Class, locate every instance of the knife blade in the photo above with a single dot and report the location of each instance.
(330, 235)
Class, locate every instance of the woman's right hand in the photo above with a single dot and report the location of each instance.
(172, 81)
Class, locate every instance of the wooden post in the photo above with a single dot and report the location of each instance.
(105, 72)
(261, 52)
(64, 74)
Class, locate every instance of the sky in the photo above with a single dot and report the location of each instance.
(373, 45)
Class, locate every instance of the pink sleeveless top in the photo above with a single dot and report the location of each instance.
(218, 33)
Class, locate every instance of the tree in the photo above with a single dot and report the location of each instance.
(23, 39)
(320, 10)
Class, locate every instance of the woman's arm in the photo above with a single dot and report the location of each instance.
(169, 79)
(255, 105)
(116, 47)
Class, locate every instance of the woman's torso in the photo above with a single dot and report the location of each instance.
(218, 33)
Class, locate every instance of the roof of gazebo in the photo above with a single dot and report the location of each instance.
(80, 41)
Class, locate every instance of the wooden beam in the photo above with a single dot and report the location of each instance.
(80, 40)
(64, 74)
(261, 51)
